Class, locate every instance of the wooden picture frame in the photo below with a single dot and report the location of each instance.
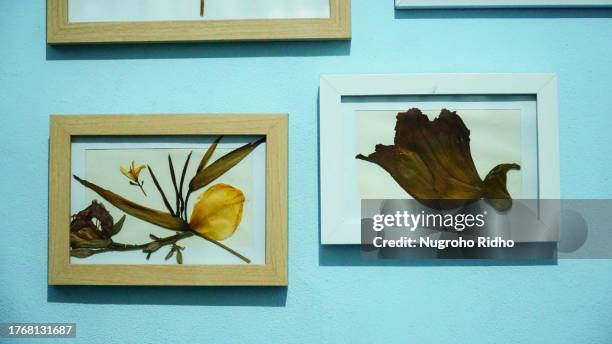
(61, 31)
(340, 224)
(424, 4)
(63, 129)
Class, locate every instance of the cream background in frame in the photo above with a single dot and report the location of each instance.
(83, 11)
(99, 162)
(495, 138)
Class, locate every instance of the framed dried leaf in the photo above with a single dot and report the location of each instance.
(168, 200)
(95, 21)
(444, 140)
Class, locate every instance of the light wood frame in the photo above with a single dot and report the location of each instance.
(335, 228)
(61, 31)
(63, 128)
(421, 4)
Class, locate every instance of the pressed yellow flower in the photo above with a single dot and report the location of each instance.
(133, 173)
(218, 212)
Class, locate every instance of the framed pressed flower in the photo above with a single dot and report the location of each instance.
(104, 21)
(168, 200)
(415, 4)
(444, 140)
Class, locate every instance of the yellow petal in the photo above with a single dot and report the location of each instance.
(137, 170)
(218, 212)
(125, 172)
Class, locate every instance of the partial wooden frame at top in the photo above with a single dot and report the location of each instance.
(64, 128)
(61, 31)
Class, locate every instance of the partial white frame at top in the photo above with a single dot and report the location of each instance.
(423, 4)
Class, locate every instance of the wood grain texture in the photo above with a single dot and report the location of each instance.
(63, 128)
(61, 31)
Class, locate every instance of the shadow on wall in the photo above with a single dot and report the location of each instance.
(197, 50)
(182, 296)
(352, 255)
(504, 13)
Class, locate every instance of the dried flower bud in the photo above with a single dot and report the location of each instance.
(81, 253)
(84, 219)
(88, 237)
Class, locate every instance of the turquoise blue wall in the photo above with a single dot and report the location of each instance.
(332, 295)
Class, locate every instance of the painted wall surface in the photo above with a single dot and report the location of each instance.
(332, 296)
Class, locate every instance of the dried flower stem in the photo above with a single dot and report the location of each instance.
(172, 240)
(245, 259)
(142, 189)
(186, 203)
(162, 241)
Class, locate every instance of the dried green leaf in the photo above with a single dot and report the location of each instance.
(182, 182)
(170, 254)
(208, 155)
(118, 226)
(179, 257)
(81, 253)
(152, 216)
(222, 165)
(174, 183)
(161, 191)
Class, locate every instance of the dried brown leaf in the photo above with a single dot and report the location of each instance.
(118, 226)
(432, 161)
(208, 174)
(152, 216)
(208, 154)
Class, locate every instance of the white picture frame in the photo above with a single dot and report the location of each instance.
(424, 4)
(335, 227)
